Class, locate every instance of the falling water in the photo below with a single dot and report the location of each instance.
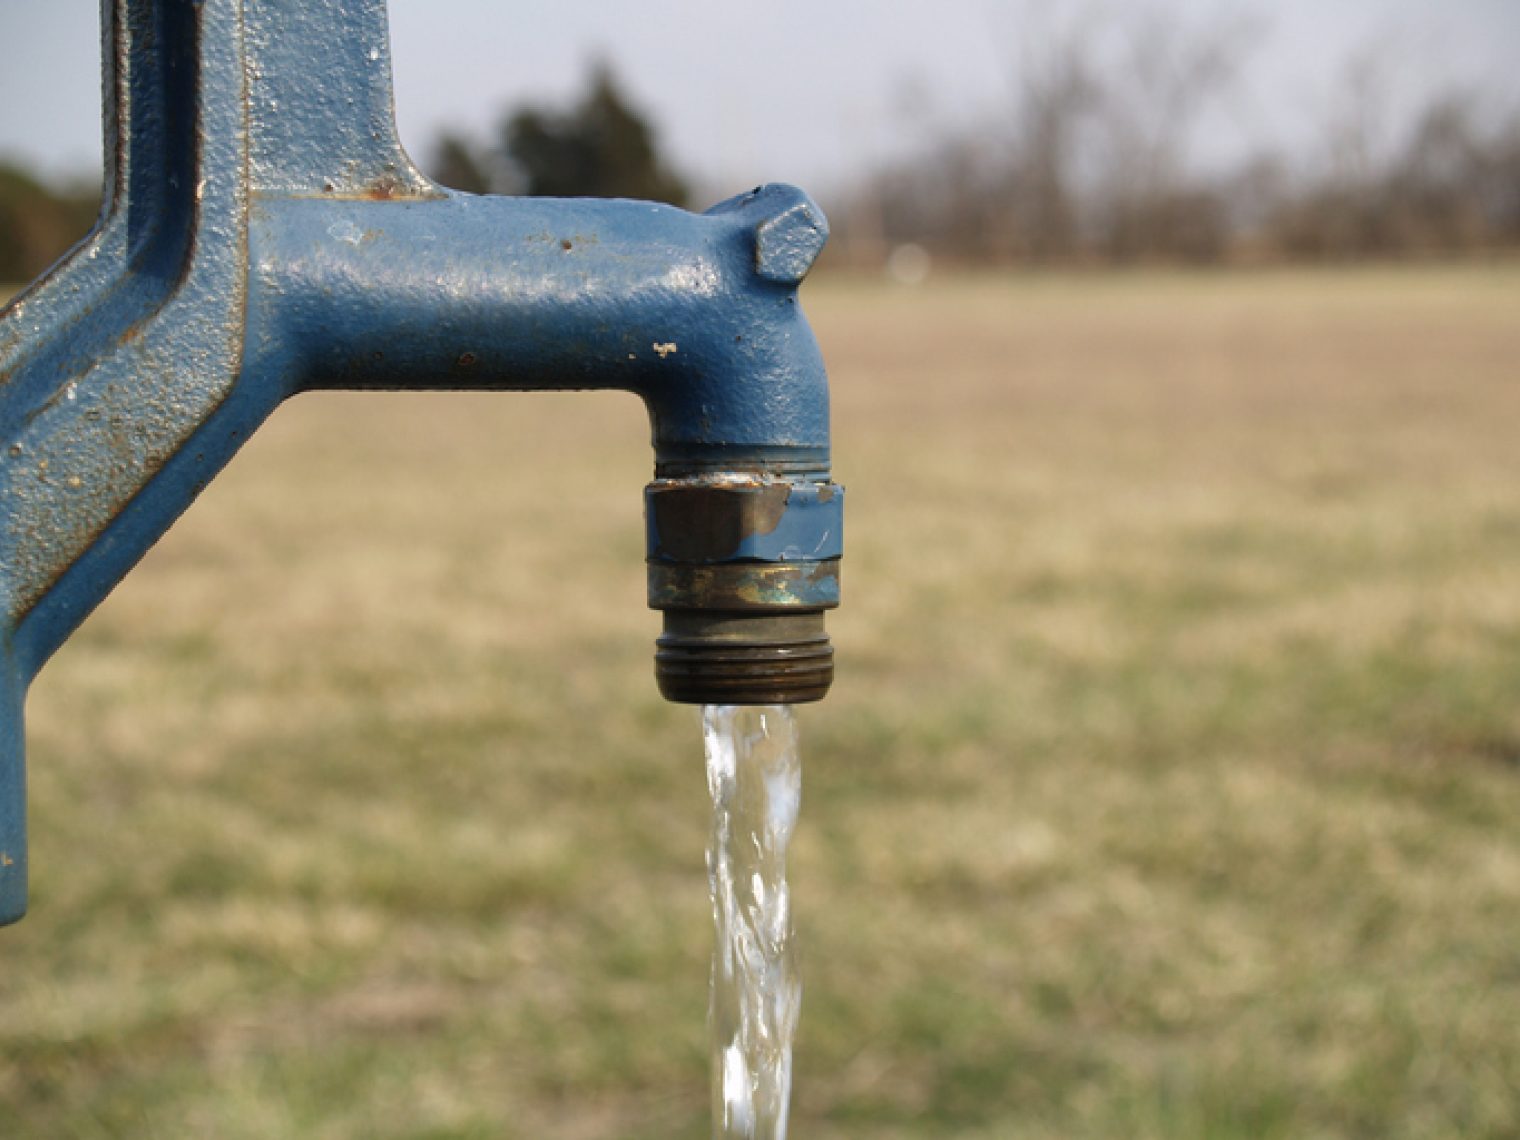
(754, 773)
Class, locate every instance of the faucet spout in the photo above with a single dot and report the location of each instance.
(264, 234)
(697, 314)
(486, 293)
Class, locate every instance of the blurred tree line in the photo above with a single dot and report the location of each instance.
(1093, 161)
(601, 147)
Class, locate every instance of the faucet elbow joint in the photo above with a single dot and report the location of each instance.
(745, 530)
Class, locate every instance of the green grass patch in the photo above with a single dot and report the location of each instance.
(1168, 788)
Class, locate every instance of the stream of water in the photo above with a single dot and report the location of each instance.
(754, 773)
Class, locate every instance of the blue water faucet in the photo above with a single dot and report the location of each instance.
(263, 233)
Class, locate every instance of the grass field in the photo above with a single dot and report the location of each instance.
(1170, 787)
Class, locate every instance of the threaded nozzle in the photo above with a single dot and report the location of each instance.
(706, 657)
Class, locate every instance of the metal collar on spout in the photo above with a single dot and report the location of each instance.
(744, 568)
(264, 234)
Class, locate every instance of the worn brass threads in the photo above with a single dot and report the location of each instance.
(708, 657)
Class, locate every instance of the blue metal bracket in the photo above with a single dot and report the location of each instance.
(263, 233)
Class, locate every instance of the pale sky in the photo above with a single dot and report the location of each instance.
(794, 90)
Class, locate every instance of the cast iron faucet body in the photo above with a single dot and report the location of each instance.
(263, 233)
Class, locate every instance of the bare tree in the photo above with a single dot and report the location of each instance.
(1058, 90)
(1096, 156)
(1165, 75)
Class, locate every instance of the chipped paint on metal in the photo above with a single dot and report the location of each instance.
(744, 517)
(264, 233)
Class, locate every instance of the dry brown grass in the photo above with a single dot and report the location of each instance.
(1168, 789)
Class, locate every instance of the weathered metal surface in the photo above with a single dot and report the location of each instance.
(518, 293)
(788, 242)
(754, 587)
(747, 518)
(264, 233)
(713, 657)
(751, 552)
